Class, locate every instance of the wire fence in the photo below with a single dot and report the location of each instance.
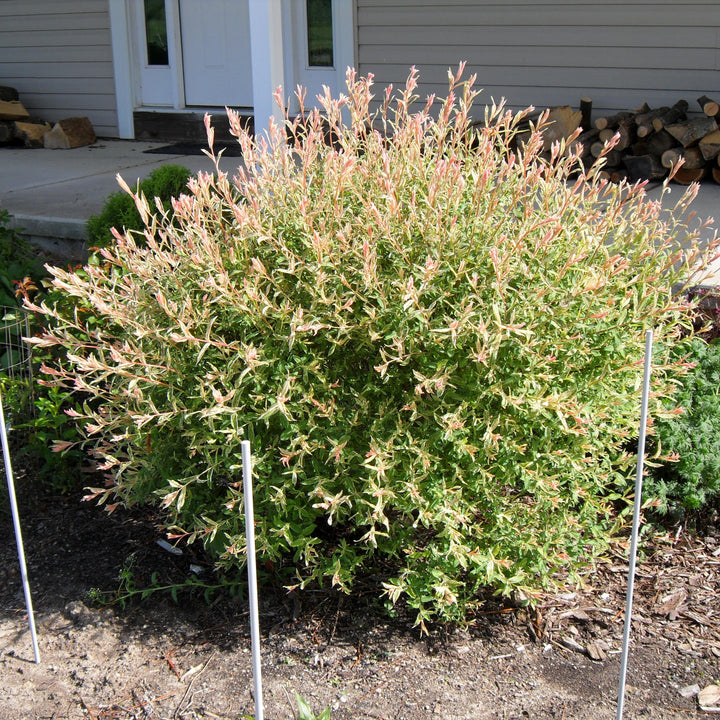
(16, 394)
(16, 368)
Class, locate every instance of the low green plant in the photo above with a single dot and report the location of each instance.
(304, 711)
(54, 441)
(16, 380)
(432, 335)
(689, 437)
(130, 589)
(121, 213)
(49, 439)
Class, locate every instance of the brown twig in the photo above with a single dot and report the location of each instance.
(334, 628)
(358, 654)
(168, 657)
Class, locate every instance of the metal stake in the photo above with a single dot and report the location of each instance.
(636, 521)
(18, 532)
(252, 576)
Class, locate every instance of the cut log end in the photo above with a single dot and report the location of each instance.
(32, 134)
(688, 176)
(692, 158)
(710, 145)
(709, 106)
(13, 110)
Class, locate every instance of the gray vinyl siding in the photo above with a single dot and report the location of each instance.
(619, 54)
(58, 55)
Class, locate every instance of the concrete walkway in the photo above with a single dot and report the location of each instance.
(52, 193)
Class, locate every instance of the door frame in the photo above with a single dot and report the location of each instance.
(127, 54)
(295, 48)
(159, 86)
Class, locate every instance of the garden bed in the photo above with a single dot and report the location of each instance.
(192, 660)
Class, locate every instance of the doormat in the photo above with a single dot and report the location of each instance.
(232, 149)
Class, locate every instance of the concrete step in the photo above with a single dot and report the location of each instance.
(183, 126)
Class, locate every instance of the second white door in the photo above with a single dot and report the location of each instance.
(215, 38)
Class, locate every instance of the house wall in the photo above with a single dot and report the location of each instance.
(58, 55)
(531, 52)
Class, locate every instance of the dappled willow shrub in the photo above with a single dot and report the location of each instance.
(433, 341)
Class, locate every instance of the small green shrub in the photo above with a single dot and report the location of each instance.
(690, 436)
(16, 381)
(433, 340)
(120, 211)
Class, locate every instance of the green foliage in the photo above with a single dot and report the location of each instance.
(18, 265)
(305, 711)
(12, 349)
(689, 438)
(54, 441)
(433, 339)
(120, 211)
(130, 589)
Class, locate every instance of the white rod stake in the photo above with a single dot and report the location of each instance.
(252, 576)
(636, 521)
(18, 533)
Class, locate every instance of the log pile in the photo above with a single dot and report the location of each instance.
(644, 144)
(17, 127)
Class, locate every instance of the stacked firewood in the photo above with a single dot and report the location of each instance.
(647, 143)
(17, 126)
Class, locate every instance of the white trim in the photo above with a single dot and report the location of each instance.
(122, 67)
(266, 48)
(172, 15)
(344, 26)
(288, 25)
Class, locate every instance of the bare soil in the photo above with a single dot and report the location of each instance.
(158, 659)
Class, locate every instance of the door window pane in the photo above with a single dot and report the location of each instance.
(156, 32)
(319, 33)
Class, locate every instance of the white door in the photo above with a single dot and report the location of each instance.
(322, 45)
(153, 22)
(215, 38)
